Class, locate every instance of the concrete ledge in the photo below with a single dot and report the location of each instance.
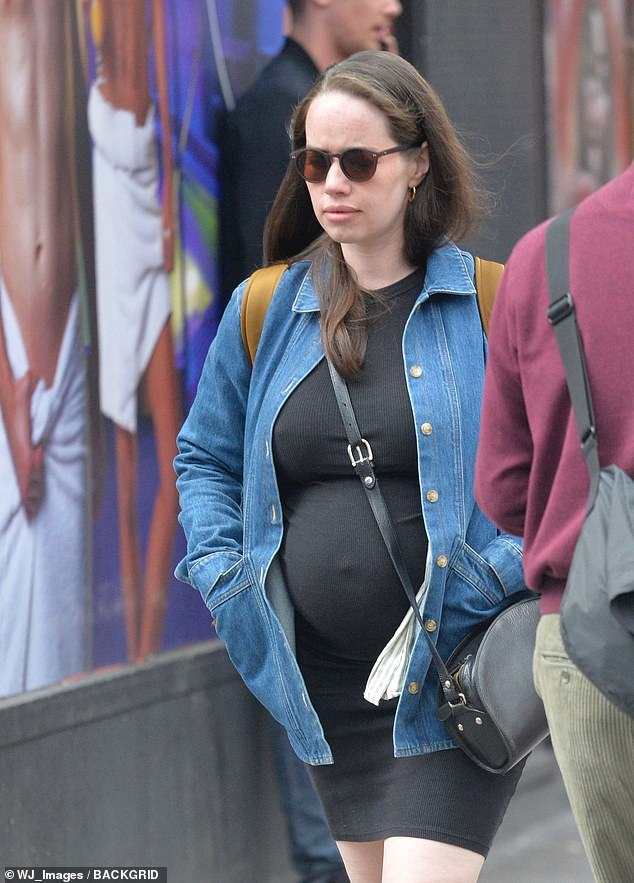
(113, 691)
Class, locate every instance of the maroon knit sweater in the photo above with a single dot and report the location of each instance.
(531, 478)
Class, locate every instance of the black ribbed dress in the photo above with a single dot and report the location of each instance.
(349, 601)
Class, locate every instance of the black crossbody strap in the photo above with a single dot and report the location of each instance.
(561, 315)
(361, 459)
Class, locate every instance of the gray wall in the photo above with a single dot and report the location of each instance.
(484, 58)
(166, 764)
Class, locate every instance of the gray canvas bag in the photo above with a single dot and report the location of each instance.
(597, 610)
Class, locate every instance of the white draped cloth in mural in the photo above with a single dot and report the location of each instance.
(43, 586)
(133, 300)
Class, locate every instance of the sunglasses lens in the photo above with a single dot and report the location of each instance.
(358, 164)
(312, 165)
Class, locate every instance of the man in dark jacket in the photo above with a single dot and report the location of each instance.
(532, 480)
(254, 138)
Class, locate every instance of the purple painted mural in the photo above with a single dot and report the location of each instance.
(108, 303)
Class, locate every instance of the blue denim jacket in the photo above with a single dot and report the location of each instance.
(231, 510)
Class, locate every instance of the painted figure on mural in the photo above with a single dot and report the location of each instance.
(44, 449)
(592, 94)
(133, 259)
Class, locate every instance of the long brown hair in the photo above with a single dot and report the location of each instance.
(448, 201)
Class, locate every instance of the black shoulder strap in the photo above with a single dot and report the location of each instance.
(360, 455)
(561, 315)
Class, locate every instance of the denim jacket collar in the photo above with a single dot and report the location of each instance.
(447, 271)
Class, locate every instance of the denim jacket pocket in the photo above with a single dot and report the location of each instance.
(227, 602)
(473, 593)
(248, 627)
(218, 576)
(480, 584)
(476, 577)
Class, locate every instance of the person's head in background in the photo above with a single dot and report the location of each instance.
(330, 30)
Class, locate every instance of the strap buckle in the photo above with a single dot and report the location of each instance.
(449, 707)
(560, 309)
(588, 439)
(358, 455)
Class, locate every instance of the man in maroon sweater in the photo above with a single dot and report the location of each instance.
(532, 481)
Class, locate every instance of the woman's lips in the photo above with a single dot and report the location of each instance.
(338, 214)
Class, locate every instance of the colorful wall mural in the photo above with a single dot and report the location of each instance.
(590, 90)
(108, 302)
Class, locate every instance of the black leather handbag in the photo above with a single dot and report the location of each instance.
(487, 699)
(498, 718)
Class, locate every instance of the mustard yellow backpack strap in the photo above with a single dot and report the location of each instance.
(487, 275)
(263, 282)
(257, 296)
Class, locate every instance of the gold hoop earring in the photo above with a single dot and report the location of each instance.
(411, 193)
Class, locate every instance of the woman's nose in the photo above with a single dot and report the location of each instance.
(335, 179)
